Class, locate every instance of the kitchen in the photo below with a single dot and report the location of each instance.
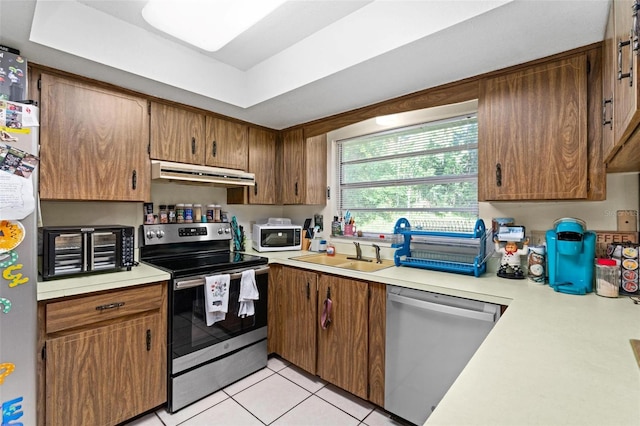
(622, 194)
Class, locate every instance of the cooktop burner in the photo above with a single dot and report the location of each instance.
(207, 263)
(193, 249)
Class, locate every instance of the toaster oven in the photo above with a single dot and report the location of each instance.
(73, 250)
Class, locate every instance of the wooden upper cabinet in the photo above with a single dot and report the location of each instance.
(304, 168)
(93, 142)
(532, 133)
(177, 134)
(262, 162)
(621, 91)
(227, 144)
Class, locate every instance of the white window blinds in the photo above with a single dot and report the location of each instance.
(425, 173)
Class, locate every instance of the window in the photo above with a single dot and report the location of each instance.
(427, 173)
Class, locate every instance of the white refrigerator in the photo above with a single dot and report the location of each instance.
(18, 257)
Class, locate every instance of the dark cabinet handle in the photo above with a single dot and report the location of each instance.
(114, 305)
(148, 340)
(629, 74)
(498, 175)
(214, 149)
(134, 180)
(255, 189)
(606, 121)
(308, 290)
(296, 189)
(193, 146)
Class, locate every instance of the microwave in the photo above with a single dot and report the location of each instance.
(75, 250)
(268, 237)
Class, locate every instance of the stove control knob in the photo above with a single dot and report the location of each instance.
(227, 230)
(220, 231)
(159, 233)
(150, 235)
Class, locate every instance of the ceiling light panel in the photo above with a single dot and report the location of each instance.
(207, 24)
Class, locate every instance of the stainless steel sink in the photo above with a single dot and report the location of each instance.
(345, 262)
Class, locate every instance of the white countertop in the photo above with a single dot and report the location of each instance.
(141, 274)
(552, 359)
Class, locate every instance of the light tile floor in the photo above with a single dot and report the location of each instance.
(278, 395)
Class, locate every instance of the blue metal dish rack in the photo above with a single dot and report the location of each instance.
(461, 248)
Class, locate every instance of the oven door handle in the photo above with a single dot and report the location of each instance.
(194, 282)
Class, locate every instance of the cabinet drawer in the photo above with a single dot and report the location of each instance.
(93, 309)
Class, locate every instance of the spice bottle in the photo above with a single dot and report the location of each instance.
(188, 213)
(197, 213)
(162, 214)
(607, 277)
(180, 213)
(171, 213)
(210, 212)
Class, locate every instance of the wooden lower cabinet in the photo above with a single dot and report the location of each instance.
(102, 364)
(349, 353)
(343, 347)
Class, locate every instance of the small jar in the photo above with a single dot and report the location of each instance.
(197, 213)
(162, 214)
(607, 277)
(217, 213)
(188, 213)
(171, 213)
(211, 212)
(180, 213)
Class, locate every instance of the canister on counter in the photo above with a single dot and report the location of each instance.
(535, 266)
(217, 216)
(607, 277)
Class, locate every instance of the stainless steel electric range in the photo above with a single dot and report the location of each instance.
(202, 358)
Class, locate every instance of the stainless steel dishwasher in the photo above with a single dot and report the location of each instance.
(429, 340)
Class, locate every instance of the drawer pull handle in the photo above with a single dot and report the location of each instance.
(109, 306)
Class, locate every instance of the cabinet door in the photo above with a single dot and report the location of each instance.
(377, 340)
(343, 346)
(177, 134)
(609, 79)
(297, 316)
(275, 313)
(93, 143)
(533, 133)
(315, 170)
(292, 179)
(106, 375)
(226, 144)
(262, 160)
(626, 92)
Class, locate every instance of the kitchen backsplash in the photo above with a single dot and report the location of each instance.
(61, 213)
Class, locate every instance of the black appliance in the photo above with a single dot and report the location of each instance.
(75, 250)
(203, 359)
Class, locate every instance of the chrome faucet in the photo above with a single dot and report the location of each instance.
(358, 250)
(377, 247)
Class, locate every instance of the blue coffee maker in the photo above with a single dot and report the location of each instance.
(571, 250)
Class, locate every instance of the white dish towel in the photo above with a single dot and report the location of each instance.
(216, 290)
(248, 293)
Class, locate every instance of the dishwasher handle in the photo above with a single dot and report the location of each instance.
(445, 309)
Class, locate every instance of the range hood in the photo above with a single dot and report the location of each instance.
(201, 174)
